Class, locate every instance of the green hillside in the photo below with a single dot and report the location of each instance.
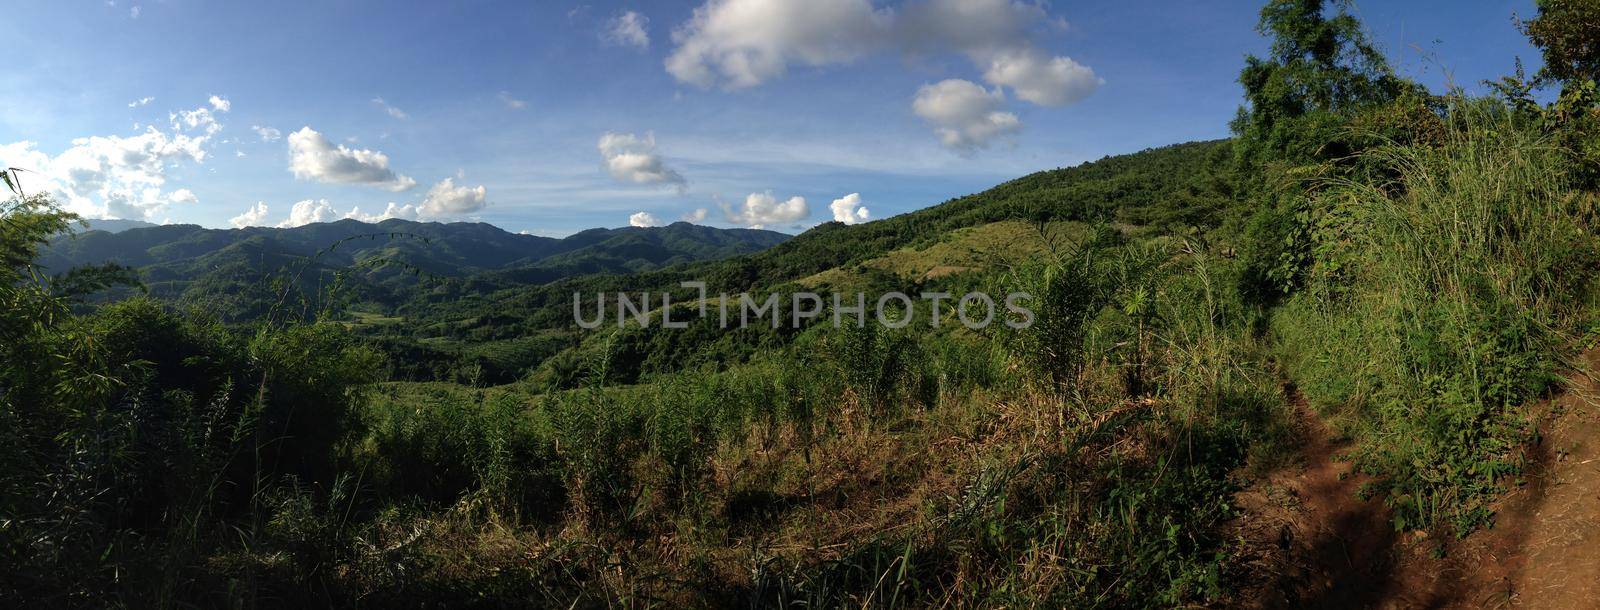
(1312, 365)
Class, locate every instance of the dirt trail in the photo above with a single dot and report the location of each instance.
(1314, 544)
(1548, 539)
(1307, 536)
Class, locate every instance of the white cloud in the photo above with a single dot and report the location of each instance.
(140, 102)
(742, 43)
(630, 158)
(446, 199)
(511, 102)
(698, 215)
(965, 116)
(1041, 79)
(317, 210)
(221, 104)
(116, 176)
(183, 196)
(762, 209)
(309, 211)
(974, 27)
(403, 212)
(394, 112)
(267, 134)
(627, 30)
(199, 118)
(252, 217)
(312, 156)
(848, 209)
(644, 219)
(134, 12)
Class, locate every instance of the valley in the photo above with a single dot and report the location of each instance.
(1343, 358)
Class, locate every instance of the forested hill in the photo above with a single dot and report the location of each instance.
(189, 261)
(1176, 188)
(1168, 188)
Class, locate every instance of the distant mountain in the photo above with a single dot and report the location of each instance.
(113, 225)
(381, 261)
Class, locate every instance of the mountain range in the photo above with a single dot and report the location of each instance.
(379, 261)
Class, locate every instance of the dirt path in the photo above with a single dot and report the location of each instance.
(1548, 539)
(1308, 535)
(1313, 543)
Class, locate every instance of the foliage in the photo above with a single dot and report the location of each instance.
(1321, 75)
(1566, 32)
(1436, 304)
(130, 429)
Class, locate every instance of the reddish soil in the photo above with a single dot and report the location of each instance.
(1547, 542)
(1308, 539)
(1310, 542)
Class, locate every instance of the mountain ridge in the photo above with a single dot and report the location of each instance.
(184, 261)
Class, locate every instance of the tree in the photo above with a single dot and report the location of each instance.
(1320, 72)
(1568, 33)
(1319, 76)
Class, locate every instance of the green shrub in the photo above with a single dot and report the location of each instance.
(1068, 292)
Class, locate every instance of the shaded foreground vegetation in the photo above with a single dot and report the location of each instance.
(1416, 264)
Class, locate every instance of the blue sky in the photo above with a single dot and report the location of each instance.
(722, 111)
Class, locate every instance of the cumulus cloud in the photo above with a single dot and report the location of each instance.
(627, 30)
(220, 104)
(511, 102)
(970, 26)
(742, 43)
(394, 210)
(630, 158)
(310, 211)
(267, 134)
(698, 215)
(394, 112)
(140, 102)
(1041, 79)
(966, 116)
(183, 196)
(252, 217)
(644, 219)
(116, 176)
(848, 209)
(762, 209)
(312, 156)
(446, 199)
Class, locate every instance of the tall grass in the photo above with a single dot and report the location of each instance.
(1437, 306)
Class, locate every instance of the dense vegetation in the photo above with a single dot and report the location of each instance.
(1416, 264)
